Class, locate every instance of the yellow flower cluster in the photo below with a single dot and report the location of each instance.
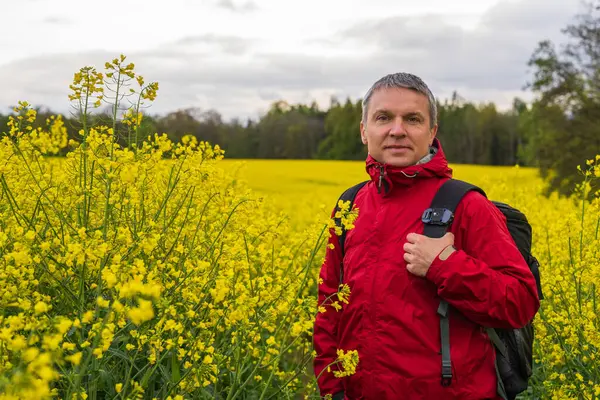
(43, 140)
(87, 83)
(348, 360)
(145, 271)
(345, 216)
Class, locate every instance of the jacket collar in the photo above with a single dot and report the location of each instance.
(386, 177)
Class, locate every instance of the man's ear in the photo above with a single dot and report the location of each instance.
(433, 133)
(363, 133)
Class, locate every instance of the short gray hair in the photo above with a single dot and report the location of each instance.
(402, 80)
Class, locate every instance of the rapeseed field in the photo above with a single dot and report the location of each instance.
(164, 271)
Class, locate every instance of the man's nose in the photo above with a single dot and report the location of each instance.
(397, 127)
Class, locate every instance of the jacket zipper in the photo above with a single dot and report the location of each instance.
(381, 174)
(377, 228)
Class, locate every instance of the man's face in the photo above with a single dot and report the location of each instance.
(397, 129)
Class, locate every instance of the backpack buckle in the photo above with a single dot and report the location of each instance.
(446, 373)
(437, 216)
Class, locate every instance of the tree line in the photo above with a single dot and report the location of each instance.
(470, 133)
(557, 132)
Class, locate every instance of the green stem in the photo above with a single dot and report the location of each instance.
(111, 158)
(83, 158)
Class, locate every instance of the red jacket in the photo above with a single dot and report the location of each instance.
(392, 319)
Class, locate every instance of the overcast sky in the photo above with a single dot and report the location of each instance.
(239, 56)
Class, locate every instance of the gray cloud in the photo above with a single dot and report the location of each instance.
(230, 75)
(44, 80)
(531, 16)
(491, 57)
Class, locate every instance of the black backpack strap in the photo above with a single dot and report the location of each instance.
(348, 195)
(437, 219)
(440, 214)
(445, 338)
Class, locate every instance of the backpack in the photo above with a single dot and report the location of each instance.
(514, 347)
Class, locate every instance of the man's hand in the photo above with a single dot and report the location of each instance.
(420, 251)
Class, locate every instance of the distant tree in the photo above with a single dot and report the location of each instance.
(562, 127)
(342, 128)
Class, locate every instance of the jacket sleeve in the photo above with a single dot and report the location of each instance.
(486, 279)
(326, 323)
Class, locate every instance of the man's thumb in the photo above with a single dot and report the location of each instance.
(449, 236)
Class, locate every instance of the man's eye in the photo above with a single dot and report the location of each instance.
(381, 117)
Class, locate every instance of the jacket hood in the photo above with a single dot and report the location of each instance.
(386, 176)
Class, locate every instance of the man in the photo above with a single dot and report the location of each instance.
(397, 276)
